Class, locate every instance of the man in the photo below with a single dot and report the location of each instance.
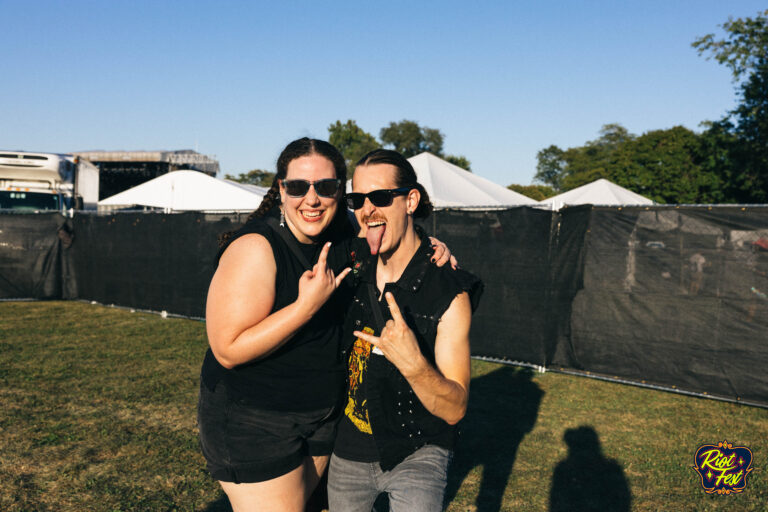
(409, 365)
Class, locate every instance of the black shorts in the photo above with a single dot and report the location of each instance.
(244, 444)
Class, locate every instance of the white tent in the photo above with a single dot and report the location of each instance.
(450, 185)
(601, 192)
(189, 190)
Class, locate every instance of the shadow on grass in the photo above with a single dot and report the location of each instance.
(503, 407)
(586, 480)
(220, 505)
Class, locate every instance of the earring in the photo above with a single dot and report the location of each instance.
(282, 218)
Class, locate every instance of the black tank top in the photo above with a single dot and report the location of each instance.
(308, 371)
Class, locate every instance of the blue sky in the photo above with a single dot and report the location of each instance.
(239, 80)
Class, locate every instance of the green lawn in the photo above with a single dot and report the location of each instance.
(97, 412)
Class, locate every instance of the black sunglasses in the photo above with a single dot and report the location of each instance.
(381, 198)
(324, 188)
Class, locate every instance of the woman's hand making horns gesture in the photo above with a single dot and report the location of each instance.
(317, 285)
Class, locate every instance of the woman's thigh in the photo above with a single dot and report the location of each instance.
(286, 492)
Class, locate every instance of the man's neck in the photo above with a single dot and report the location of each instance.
(390, 266)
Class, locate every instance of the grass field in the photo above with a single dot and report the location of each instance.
(97, 412)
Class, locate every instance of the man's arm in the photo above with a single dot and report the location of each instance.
(444, 390)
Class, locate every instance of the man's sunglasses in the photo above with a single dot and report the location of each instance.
(324, 188)
(380, 198)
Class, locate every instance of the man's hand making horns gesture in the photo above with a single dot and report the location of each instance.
(444, 389)
(397, 342)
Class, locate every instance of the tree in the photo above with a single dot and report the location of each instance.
(535, 192)
(573, 167)
(745, 51)
(459, 160)
(597, 159)
(550, 167)
(406, 137)
(410, 139)
(564, 170)
(254, 177)
(751, 130)
(665, 165)
(668, 166)
(352, 141)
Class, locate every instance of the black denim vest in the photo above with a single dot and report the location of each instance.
(399, 421)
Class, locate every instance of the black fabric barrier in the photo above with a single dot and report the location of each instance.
(509, 250)
(161, 262)
(32, 263)
(676, 297)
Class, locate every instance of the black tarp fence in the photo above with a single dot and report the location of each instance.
(154, 261)
(31, 255)
(675, 297)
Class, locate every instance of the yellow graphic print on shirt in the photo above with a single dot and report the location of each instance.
(357, 407)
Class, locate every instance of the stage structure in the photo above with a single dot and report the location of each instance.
(121, 170)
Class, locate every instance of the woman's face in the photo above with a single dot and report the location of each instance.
(308, 216)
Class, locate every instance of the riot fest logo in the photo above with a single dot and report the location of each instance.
(723, 468)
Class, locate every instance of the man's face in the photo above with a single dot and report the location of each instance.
(385, 226)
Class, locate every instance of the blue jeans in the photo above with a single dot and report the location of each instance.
(415, 485)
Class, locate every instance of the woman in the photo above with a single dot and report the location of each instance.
(273, 378)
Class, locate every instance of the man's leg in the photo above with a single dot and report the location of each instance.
(418, 483)
(351, 485)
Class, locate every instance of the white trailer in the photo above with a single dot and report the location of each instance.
(47, 181)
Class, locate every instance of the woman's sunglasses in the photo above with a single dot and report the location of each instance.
(324, 188)
(380, 198)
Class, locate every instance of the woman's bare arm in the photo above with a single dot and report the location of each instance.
(241, 295)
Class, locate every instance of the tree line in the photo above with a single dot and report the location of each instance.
(406, 137)
(727, 162)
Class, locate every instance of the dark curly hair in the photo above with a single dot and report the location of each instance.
(405, 176)
(296, 149)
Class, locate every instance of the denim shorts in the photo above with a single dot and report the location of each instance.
(417, 484)
(244, 444)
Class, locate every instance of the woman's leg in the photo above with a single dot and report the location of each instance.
(316, 482)
(314, 469)
(286, 492)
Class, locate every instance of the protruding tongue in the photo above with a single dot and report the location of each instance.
(374, 236)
